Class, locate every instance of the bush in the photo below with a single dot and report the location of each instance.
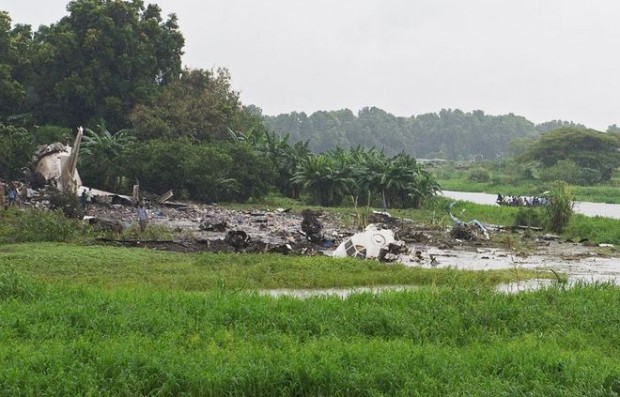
(480, 175)
(560, 208)
(531, 217)
(570, 172)
(68, 203)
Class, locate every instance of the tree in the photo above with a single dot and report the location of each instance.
(12, 92)
(101, 152)
(586, 148)
(101, 60)
(17, 147)
(200, 106)
(207, 172)
(323, 178)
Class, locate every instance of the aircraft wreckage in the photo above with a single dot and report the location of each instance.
(56, 163)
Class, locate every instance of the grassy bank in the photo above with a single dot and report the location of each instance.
(597, 194)
(110, 267)
(108, 321)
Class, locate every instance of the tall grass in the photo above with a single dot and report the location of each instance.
(112, 267)
(82, 340)
(18, 226)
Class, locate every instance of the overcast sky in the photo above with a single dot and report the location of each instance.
(542, 59)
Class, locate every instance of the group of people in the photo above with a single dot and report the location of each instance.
(521, 201)
(10, 194)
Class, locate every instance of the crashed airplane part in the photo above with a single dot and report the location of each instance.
(368, 244)
(58, 163)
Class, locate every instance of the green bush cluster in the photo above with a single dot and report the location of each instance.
(559, 210)
(570, 172)
(479, 174)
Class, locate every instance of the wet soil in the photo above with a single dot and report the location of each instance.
(211, 228)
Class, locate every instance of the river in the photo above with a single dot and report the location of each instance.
(581, 207)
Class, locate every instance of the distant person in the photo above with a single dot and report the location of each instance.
(83, 199)
(29, 194)
(89, 197)
(143, 217)
(12, 195)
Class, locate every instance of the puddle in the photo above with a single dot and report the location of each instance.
(522, 286)
(342, 293)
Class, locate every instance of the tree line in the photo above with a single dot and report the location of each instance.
(115, 68)
(450, 134)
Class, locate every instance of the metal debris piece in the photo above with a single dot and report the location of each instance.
(165, 197)
(371, 243)
(312, 226)
(238, 239)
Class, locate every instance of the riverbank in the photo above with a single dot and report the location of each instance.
(581, 207)
(595, 194)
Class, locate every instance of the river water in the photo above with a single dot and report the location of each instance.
(581, 207)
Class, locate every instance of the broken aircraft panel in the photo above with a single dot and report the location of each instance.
(371, 243)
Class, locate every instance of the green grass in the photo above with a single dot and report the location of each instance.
(111, 267)
(595, 229)
(141, 329)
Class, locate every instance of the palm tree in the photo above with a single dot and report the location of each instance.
(323, 179)
(100, 154)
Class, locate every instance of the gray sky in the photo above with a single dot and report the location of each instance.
(542, 59)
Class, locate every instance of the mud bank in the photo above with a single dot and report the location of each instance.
(207, 228)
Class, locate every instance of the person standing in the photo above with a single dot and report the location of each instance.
(143, 217)
(12, 194)
(29, 193)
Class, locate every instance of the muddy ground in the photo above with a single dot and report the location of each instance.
(212, 228)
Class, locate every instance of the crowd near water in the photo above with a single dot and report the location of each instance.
(522, 201)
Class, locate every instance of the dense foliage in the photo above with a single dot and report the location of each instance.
(590, 156)
(449, 134)
(115, 68)
(102, 60)
(16, 148)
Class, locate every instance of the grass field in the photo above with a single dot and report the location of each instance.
(88, 320)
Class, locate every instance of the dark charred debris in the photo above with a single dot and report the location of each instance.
(212, 228)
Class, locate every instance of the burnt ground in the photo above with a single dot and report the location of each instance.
(211, 228)
(216, 229)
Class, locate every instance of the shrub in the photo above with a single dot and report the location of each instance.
(560, 208)
(479, 175)
(528, 217)
(68, 203)
(570, 172)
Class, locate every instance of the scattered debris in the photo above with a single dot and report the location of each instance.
(311, 226)
(472, 230)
